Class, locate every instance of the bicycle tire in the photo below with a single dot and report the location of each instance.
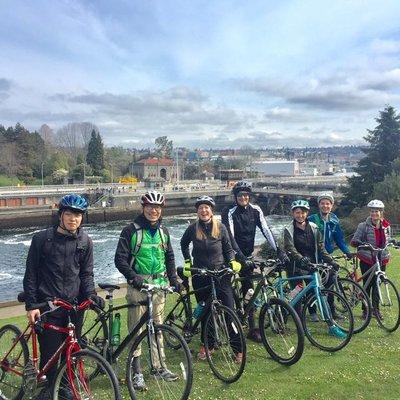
(281, 331)
(94, 332)
(11, 384)
(88, 383)
(178, 361)
(388, 317)
(359, 303)
(320, 333)
(221, 355)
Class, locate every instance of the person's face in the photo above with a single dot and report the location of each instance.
(300, 215)
(71, 220)
(243, 198)
(376, 214)
(152, 212)
(325, 206)
(204, 212)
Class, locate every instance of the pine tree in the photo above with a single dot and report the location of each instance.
(95, 154)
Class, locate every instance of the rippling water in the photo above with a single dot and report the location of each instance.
(14, 245)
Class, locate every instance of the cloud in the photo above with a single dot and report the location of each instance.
(385, 46)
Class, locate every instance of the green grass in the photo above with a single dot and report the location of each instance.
(368, 368)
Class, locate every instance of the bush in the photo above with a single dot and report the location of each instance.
(9, 181)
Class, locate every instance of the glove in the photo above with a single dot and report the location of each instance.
(350, 256)
(248, 264)
(137, 282)
(186, 268)
(305, 263)
(283, 257)
(236, 266)
(98, 301)
(335, 266)
(177, 286)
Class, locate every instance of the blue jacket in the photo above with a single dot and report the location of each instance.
(331, 231)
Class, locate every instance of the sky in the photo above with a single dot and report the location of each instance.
(204, 73)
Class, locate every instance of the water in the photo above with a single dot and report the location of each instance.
(14, 246)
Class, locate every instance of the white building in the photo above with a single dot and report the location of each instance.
(277, 167)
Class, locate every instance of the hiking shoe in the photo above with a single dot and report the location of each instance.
(314, 317)
(139, 383)
(166, 375)
(201, 355)
(238, 358)
(254, 335)
(337, 332)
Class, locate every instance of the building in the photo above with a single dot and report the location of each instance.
(277, 167)
(154, 167)
(231, 174)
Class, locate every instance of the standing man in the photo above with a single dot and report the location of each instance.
(59, 265)
(329, 225)
(144, 255)
(241, 219)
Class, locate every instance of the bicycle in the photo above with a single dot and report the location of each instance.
(325, 330)
(385, 296)
(74, 379)
(97, 335)
(280, 327)
(223, 334)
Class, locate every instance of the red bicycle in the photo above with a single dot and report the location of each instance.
(82, 374)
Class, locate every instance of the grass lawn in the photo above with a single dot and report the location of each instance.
(368, 368)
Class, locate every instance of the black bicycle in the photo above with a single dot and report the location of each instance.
(280, 327)
(156, 357)
(223, 335)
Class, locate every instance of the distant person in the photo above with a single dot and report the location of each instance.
(144, 255)
(376, 231)
(241, 220)
(329, 225)
(59, 265)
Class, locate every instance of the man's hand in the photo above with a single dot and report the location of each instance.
(33, 315)
(137, 282)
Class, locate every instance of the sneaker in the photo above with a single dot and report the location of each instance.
(139, 383)
(201, 355)
(314, 317)
(337, 332)
(377, 314)
(254, 335)
(238, 358)
(166, 375)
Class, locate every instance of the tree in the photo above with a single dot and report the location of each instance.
(163, 147)
(95, 154)
(384, 148)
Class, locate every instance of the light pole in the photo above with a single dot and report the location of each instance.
(42, 176)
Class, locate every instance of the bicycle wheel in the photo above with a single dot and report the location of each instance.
(89, 384)
(359, 302)
(167, 372)
(13, 361)
(333, 328)
(388, 312)
(94, 332)
(178, 319)
(281, 332)
(224, 343)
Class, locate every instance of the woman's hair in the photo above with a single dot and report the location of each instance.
(215, 231)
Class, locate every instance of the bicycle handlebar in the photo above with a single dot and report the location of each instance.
(368, 246)
(209, 272)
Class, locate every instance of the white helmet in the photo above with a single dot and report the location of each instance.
(153, 197)
(326, 196)
(376, 204)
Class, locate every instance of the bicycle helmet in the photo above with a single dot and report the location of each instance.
(73, 202)
(241, 186)
(205, 200)
(300, 204)
(326, 196)
(376, 204)
(153, 197)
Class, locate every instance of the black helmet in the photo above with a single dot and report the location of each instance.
(73, 202)
(153, 197)
(205, 200)
(241, 186)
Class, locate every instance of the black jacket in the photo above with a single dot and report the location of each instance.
(209, 253)
(62, 270)
(241, 223)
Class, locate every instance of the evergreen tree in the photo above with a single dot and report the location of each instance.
(95, 154)
(378, 162)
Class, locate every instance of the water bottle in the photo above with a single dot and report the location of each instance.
(116, 330)
(248, 296)
(293, 293)
(199, 309)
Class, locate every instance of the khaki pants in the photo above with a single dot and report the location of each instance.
(134, 315)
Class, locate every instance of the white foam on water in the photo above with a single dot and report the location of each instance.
(4, 276)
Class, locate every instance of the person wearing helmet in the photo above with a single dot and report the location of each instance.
(242, 219)
(376, 231)
(329, 225)
(304, 244)
(211, 249)
(59, 265)
(144, 255)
